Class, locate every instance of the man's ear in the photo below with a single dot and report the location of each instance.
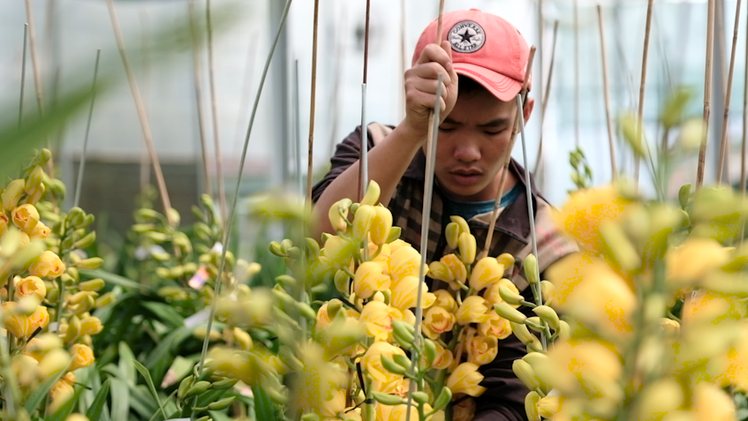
(529, 106)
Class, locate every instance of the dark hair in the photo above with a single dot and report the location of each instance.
(467, 86)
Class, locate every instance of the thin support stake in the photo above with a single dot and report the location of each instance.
(530, 209)
(297, 129)
(546, 99)
(35, 58)
(745, 120)
(198, 81)
(606, 91)
(642, 86)
(82, 165)
(235, 199)
(23, 73)
(363, 167)
(214, 113)
(728, 94)
(144, 123)
(364, 164)
(505, 169)
(707, 93)
(310, 150)
(428, 194)
(576, 73)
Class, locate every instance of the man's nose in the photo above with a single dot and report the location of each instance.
(467, 152)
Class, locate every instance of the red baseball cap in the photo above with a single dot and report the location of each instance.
(485, 48)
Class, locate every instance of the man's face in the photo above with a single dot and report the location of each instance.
(473, 143)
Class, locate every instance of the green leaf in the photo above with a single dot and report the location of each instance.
(40, 394)
(147, 376)
(265, 409)
(120, 400)
(67, 408)
(141, 402)
(114, 279)
(127, 364)
(97, 407)
(165, 312)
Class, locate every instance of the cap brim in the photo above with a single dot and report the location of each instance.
(500, 86)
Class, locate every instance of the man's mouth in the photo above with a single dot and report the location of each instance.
(466, 177)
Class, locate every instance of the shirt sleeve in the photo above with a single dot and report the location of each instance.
(346, 154)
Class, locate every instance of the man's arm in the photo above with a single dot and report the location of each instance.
(392, 156)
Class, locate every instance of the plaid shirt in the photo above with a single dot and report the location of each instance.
(504, 399)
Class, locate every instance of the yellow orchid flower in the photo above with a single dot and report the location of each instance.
(496, 326)
(551, 405)
(47, 265)
(400, 412)
(377, 317)
(710, 402)
(31, 285)
(370, 279)
(380, 225)
(91, 325)
(445, 300)
(444, 357)
(339, 251)
(464, 411)
(474, 309)
(492, 295)
(405, 261)
(456, 268)
(82, 356)
(436, 321)
(694, 259)
(3, 223)
(589, 289)
(61, 392)
(585, 210)
(40, 231)
(482, 349)
(22, 326)
(405, 294)
(24, 369)
(466, 379)
(485, 273)
(25, 217)
(318, 384)
(372, 361)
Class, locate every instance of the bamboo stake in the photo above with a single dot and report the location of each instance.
(310, 151)
(428, 193)
(728, 95)
(403, 53)
(505, 169)
(214, 113)
(606, 91)
(142, 116)
(235, 198)
(438, 41)
(198, 78)
(745, 134)
(35, 58)
(546, 100)
(576, 73)
(745, 120)
(23, 73)
(297, 129)
(707, 92)
(642, 85)
(432, 138)
(363, 167)
(82, 165)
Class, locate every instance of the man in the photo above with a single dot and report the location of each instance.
(483, 60)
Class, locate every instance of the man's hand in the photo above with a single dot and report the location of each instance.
(421, 85)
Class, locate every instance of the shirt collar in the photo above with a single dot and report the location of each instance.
(512, 220)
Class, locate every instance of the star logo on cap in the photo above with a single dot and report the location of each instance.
(467, 37)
